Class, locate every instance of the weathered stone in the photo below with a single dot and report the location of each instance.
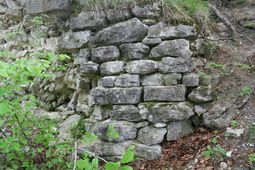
(127, 80)
(176, 130)
(235, 132)
(200, 109)
(147, 11)
(116, 15)
(112, 67)
(72, 41)
(201, 94)
(50, 115)
(176, 65)
(126, 112)
(172, 79)
(107, 81)
(150, 135)
(103, 148)
(70, 78)
(83, 104)
(99, 96)
(153, 80)
(190, 80)
(134, 51)
(164, 93)
(101, 112)
(125, 95)
(103, 96)
(159, 125)
(65, 127)
(217, 117)
(149, 21)
(147, 152)
(165, 112)
(82, 56)
(132, 30)
(126, 130)
(56, 7)
(151, 41)
(142, 124)
(89, 68)
(173, 48)
(14, 10)
(164, 31)
(105, 53)
(142, 67)
(92, 20)
(3, 9)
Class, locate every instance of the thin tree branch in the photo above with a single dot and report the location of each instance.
(75, 156)
(92, 154)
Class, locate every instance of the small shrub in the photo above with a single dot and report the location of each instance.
(245, 91)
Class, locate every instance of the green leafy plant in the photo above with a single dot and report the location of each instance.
(245, 91)
(245, 67)
(27, 141)
(37, 21)
(213, 151)
(234, 124)
(250, 24)
(91, 162)
(111, 132)
(252, 158)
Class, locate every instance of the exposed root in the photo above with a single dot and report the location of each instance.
(225, 21)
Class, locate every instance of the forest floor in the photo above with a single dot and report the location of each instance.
(235, 65)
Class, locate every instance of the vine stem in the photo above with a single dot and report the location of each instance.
(92, 154)
(75, 156)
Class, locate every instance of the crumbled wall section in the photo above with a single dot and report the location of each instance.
(130, 70)
(143, 80)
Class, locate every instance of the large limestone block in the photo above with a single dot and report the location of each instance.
(127, 80)
(126, 130)
(201, 94)
(116, 15)
(147, 152)
(147, 11)
(176, 65)
(164, 93)
(142, 67)
(165, 112)
(176, 130)
(132, 30)
(151, 135)
(173, 48)
(164, 31)
(105, 53)
(134, 51)
(103, 96)
(92, 20)
(126, 112)
(72, 41)
(125, 95)
(112, 68)
(60, 8)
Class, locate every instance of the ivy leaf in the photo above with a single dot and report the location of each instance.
(81, 164)
(111, 132)
(4, 108)
(95, 163)
(128, 155)
(126, 168)
(112, 166)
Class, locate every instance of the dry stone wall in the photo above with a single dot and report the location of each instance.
(131, 71)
